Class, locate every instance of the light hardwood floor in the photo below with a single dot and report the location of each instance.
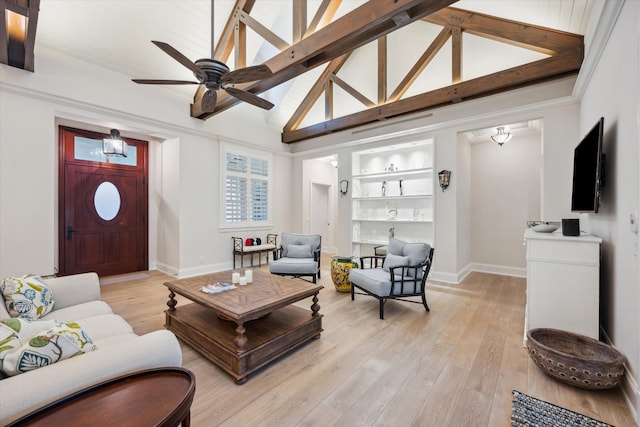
(454, 366)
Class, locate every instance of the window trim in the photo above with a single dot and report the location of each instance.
(250, 153)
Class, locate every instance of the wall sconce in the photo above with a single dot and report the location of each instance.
(501, 137)
(114, 145)
(18, 32)
(344, 187)
(444, 176)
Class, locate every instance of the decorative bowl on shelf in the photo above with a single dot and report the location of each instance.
(575, 359)
(543, 226)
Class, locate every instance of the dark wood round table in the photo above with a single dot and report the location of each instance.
(153, 397)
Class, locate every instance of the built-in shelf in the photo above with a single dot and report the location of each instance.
(405, 197)
(397, 221)
(394, 174)
(408, 191)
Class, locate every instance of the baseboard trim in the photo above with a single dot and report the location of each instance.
(629, 385)
(438, 276)
(166, 269)
(455, 278)
(498, 269)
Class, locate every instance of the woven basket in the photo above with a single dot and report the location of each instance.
(575, 359)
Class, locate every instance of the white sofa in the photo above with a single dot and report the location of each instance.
(119, 349)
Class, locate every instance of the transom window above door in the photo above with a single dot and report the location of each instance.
(91, 149)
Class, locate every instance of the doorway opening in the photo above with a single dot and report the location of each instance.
(319, 199)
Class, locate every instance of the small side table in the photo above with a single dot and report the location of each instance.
(340, 267)
(153, 397)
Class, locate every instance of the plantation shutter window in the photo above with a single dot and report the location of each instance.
(247, 182)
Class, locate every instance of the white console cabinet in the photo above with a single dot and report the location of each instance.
(563, 282)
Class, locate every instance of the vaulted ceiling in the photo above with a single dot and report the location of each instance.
(337, 64)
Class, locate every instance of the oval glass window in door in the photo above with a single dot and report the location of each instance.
(107, 201)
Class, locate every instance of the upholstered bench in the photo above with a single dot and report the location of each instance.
(241, 248)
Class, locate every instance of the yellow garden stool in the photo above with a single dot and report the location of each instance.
(340, 267)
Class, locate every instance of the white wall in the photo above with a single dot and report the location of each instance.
(184, 163)
(505, 194)
(28, 189)
(613, 92)
(463, 207)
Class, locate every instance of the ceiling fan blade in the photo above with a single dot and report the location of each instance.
(164, 82)
(248, 74)
(172, 52)
(208, 101)
(249, 97)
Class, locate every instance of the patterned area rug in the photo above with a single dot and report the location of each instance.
(528, 411)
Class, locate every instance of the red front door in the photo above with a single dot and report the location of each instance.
(103, 206)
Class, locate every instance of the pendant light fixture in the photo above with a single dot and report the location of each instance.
(501, 137)
(114, 145)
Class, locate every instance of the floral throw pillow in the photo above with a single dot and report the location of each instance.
(27, 345)
(27, 297)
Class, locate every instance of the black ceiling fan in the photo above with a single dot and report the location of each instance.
(215, 75)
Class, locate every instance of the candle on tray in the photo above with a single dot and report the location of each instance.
(249, 275)
(235, 278)
(243, 281)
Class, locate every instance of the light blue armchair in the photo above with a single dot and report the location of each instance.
(402, 273)
(297, 256)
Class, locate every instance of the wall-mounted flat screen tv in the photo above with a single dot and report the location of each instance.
(588, 171)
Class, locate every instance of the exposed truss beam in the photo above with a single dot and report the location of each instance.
(225, 44)
(553, 67)
(263, 31)
(357, 28)
(382, 69)
(421, 64)
(299, 20)
(323, 16)
(315, 92)
(352, 91)
(566, 53)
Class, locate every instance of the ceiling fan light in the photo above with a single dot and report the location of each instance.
(501, 137)
(114, 145)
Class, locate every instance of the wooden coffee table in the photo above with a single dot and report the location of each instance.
(244, 329)
(153, 397)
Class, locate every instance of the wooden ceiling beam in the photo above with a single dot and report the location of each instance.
(532, 37)
(382, 70)
(325, 13)
(456, 55)
(299, 20)
(352, 91)
(263, 31)
(240, 43)
(421, 63)
(328, 100)
(562, 64)
(226, 42)
(357, 28)
(566, 52)
(315, 92)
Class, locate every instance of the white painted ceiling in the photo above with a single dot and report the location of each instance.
(117, 34)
